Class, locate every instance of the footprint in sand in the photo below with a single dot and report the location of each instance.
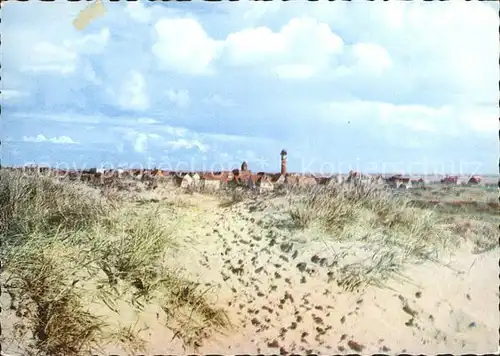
(286, 247)
(282, 334)
(303, 337)
(315, 259)
(255, 322)
(284, 258)
(268, 309)
(273, 344)
(237, 270)
(317, 319)
(354, 345)
(301, 266)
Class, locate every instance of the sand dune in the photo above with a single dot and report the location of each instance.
(279, 287)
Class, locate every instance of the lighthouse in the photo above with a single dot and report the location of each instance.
(283, 162)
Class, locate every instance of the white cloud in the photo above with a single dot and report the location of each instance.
(481, 119)
(57, 140)
(174, 131)
(62, 58)
(418, 117)
(231, 139)
(47, 57)
(216, 99)
(184, 46)
(460, 61)
(178, 97)
(147, 121)
(444, 120)
(372, 58)
(256, 10)
(139, 140)
(187, 144)
(62, 139)
(9, 94)
(138, 12)
(302, 48)
(38, 138)
(133, 94)
(90, 75)
(120, 147)
(463, 57)
(254, 46)
(92, 43)
(295, 71)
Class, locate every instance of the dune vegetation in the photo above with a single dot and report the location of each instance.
(64, 247)
(100, 268)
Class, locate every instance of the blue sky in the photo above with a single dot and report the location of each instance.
(375, 86)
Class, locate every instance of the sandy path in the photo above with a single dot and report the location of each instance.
(277, 289)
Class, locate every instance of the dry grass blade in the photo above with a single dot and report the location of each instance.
(360, 212)
(192, 316)
(135, 252)
(235, 196)
(60, 239)
(128, 337)
(50, 302)
(39, 204)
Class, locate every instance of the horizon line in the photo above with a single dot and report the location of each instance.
(318, 174)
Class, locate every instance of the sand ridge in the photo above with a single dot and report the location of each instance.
(278, 289)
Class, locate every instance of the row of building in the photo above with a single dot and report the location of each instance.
(262, 181)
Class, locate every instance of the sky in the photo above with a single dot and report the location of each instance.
(379, 87)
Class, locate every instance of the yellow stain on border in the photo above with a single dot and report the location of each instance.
(89, 14)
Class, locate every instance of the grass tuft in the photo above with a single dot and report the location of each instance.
(49, 299)
(59, 239)
(393, 231)
(236, 195)
(41, 205)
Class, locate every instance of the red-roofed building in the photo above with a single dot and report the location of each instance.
(474, 180)
(450, 180)
(399, 181)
